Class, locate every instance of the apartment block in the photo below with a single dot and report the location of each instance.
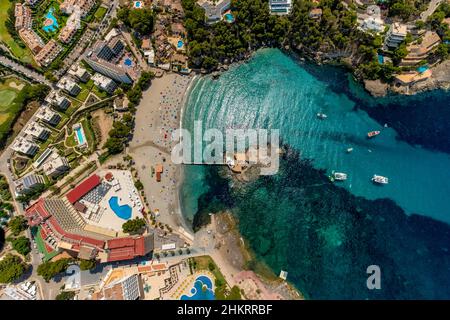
(31, 40)
(48, 53)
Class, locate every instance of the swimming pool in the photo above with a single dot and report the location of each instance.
(80, 135)
(137, 4)
(128, 62)
(380, 59)
(229, 17)
(422, 69)
(180, 44)
(123, 212)
(50, 23)
(202, 290)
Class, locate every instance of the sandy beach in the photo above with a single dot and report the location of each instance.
(157, 116)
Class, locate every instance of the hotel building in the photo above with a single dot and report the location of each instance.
(103, 58)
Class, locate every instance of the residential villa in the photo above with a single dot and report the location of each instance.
(80, 73)
(104, 83)
(55, 165)
(48, 53)
(214, 10)
(315, 13)
(47, 115)
(23, 16)
(37, 131)
(58, 100)
(372, 24)
(418, 52)
(280, 7)
(121, 104)
(24, 146)
(69, 86)
(396, 34)
(31, 40)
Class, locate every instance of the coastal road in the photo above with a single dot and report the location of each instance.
(25, 71)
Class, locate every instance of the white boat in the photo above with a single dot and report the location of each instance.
(321, 115)
(340, 176)
(380, 179)
(349, 150)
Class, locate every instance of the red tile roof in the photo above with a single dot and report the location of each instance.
(83, 188)
(125, 248)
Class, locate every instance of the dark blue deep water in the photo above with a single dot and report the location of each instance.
(326, 235)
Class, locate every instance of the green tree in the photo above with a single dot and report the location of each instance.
(134, 225)
(22, 245)
(11, 268)
(65, 295)
(114, 145)
(49, 269)
(87, 264)
(17, 225)
(442, 51)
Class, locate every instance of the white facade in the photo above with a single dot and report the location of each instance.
(24, 146)
(280, 6)
(55, 166)
(37, 131)
(104, 83)
(396, 34)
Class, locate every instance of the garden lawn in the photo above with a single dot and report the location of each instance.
(100, 13)
(10, 105)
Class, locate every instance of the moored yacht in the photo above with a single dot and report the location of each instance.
(339, 176)
(372, 134)
(321, 115)
(380, 179)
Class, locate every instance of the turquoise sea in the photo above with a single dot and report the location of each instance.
(325, 235)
